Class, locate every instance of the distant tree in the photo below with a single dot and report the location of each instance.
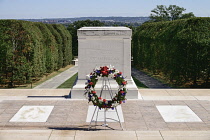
(173, 12)
(187, 15)
(73, 30)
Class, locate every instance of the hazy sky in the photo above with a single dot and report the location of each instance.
(28, 9)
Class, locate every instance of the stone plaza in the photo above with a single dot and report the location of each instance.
(143, 119)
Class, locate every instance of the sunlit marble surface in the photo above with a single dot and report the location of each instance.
(175, 113)
(111, 115)
(32, 114)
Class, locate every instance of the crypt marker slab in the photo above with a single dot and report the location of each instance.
(178, 114)
(32, 114)
(109, 114)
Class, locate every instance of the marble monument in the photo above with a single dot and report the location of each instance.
(104, 46)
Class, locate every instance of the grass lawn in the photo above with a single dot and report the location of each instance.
(69, 83)
(138, 83)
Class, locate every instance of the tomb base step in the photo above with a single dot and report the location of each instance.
(77, 91)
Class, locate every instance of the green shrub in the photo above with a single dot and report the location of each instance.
(29, 50)
(178, 49)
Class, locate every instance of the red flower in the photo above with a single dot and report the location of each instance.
(91, 83)
(120, 102)
(120, 73)
(104, 72)
(94, 92)
(104, 100)
(121, 91)
(99, 98)
(105, 68)
(124, 82)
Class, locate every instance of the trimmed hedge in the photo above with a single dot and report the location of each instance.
(178, 49)
(31, 49)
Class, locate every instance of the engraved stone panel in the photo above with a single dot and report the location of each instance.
(32, 114)
(104, 31)
(100, 53)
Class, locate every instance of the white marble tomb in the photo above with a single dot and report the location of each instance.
(104, 46)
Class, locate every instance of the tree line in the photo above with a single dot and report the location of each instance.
(179, 49)
(170, 13)
(72, 28)
(31, 49)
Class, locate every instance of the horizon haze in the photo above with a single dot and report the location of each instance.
(40, 9)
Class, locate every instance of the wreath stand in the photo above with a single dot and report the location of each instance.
(104, 87)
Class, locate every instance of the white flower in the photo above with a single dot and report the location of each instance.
(121, 86)
(110, 66)
(117, 71)
(88, 77)
(111, 75)
(99, 77)
(92, 98)
(97, 68)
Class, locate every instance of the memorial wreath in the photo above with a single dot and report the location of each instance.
(108, 72)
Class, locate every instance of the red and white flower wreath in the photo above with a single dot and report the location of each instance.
(92, 79)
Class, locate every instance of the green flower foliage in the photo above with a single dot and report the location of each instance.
(29, 50)
(178, 49)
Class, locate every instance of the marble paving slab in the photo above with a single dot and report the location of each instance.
(109, 114)
(32, 114)
(175, 113)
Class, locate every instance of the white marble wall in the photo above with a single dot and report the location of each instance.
(100, 46)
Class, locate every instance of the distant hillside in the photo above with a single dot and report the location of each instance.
(131, 20)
